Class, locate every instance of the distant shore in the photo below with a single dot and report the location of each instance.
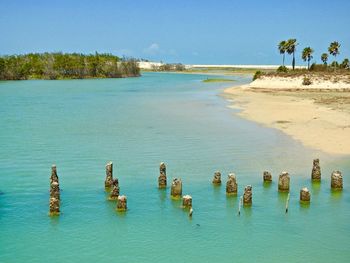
(148, 65)
(205, 69)
(318, 115)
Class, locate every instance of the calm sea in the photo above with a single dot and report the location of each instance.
(138, 123)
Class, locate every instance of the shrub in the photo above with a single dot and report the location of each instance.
(283, 69)
(318, 67)
(334, 64)
(179, 67)
(345, 64)
(257, 75)
(307, 81)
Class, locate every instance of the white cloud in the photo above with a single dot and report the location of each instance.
(152, 49)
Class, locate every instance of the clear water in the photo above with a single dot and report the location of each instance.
(137, 123)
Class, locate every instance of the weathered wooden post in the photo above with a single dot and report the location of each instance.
(109, 175)
(239, 205)
(191, 212)
(287, 202)
(336, 180)
(54, 193)
(55, 190)
(283, 182)
(217, 178)
(231, 184)
(176, 188)
(304, 195)
(54, 206)
(54, 177)
(187, 201)
(115, 190)
(122, 203)
(267, 177)
(248, 195)
(162, 176)
(316, 170)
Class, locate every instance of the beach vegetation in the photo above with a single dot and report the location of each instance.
(282, 48)
(169, 67)
(282, 69)
(179, 67)
(324, 58)
(66, 66)
(333, 49)
(307, 55)
(318, 67)
(345, 64)
(291, 46)
(257, 74)
(307, 81)
(334, 65)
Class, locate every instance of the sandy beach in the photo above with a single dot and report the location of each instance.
(317, 115)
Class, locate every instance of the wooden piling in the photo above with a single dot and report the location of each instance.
(109, 175)
(239, 205)
(316, 170)
(336, 180)
(187, 201)
(248, 195)
(115, 190)
(217, 178)
(287, 203)
(176, 188)
(191, 212)
(304, 195)
(162, 181)
(55, 197)
(231, 185)
(283, 182)
(122, 203)
(267, 177)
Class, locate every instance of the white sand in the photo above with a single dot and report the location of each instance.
(296, 83)
(239, 66)
(315, 125)
(149, 65)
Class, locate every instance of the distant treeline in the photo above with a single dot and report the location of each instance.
(66, 66)
(169, 67)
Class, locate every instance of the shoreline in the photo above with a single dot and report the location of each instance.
(317, 116)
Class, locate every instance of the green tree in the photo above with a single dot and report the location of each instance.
(333, 49)
(282, 48)
(307, 55)
(324, 58)
(291, 48)
(66, 65)
(2, 67)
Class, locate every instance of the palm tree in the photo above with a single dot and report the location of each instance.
(307, 55)
(291, 48)
(333, 49)
(324, 58)
(282, 47)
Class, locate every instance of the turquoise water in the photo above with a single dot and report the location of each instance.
(137, 123)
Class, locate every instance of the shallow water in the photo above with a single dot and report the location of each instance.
(137, 123)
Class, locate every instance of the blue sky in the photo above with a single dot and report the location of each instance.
(211, 32)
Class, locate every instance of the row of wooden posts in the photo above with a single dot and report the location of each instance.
(112, 185)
